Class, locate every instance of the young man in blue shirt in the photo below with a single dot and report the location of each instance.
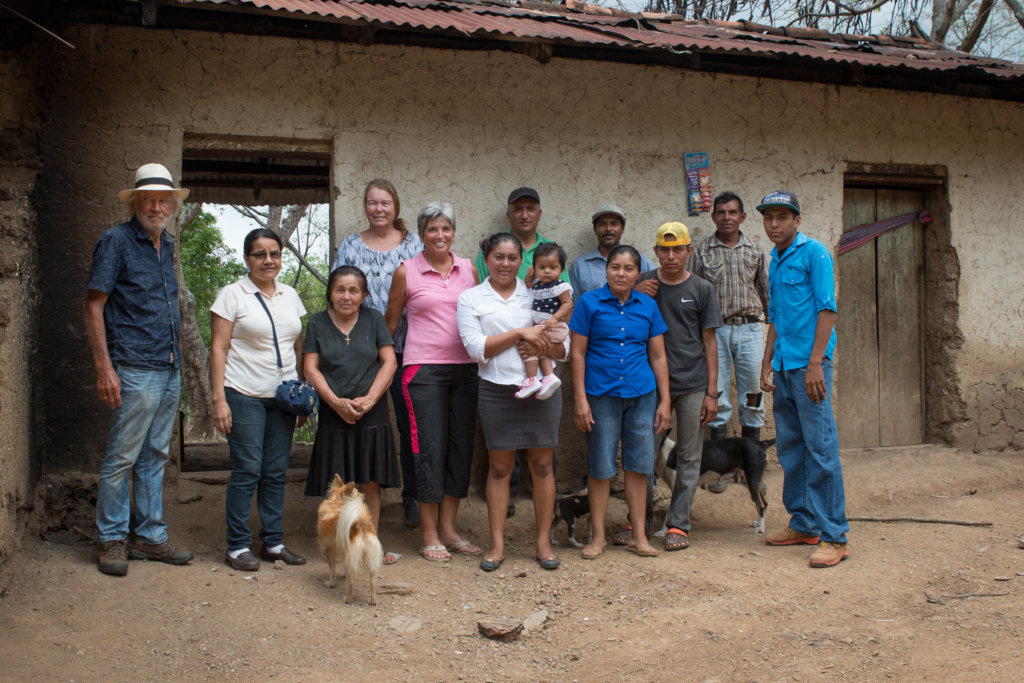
(797, 367)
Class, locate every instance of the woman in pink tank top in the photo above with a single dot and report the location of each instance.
(439, 379)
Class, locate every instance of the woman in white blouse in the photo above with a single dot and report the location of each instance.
(494, 317)
(256, 342)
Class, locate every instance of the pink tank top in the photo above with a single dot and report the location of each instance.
(430, 308)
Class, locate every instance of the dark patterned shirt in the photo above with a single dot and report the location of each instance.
(141, 316)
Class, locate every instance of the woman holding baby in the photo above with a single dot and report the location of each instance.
(496, 322)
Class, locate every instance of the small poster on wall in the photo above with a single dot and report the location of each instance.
(698, 182)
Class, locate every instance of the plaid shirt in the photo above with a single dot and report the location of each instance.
(739, 275)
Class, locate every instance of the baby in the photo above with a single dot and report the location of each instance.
(552, 306)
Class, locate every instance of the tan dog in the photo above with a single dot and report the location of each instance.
(345, 531)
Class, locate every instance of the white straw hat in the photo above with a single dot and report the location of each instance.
(153, 177)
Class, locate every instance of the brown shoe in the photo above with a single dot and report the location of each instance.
(829, 554)
(790, 536)
(113, 558)
(160, 552)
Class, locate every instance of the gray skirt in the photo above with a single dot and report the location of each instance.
(512, 424)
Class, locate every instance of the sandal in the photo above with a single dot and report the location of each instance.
(622, 538)
(549, 563)
(435, 549)
(491, 565)
(643, 551)
(676, 539)
(591, 553)
(463, 547)
(390, 558)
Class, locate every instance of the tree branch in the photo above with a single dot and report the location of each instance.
(984, 10)
(1018, 10)
(847, 11)
(302, 261)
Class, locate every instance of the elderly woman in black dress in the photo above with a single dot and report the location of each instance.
(350, 360)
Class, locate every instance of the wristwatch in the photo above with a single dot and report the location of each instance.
(714, 396)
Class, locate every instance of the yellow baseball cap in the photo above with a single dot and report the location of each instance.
(672, 234)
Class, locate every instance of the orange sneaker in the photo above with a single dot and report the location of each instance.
(829, 554)
(790, 536)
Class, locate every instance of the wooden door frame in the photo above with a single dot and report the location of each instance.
(944, 404)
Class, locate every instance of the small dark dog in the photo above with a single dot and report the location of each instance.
(570, 508)
(734, 458)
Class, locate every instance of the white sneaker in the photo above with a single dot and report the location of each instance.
(529, 387)
(548, 386)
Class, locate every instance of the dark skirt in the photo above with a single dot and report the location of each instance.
(363, 452)
(511, 424)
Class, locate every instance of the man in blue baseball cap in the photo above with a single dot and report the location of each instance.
(797, 367)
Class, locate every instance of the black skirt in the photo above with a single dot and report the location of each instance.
(511, 424)
(363, 452)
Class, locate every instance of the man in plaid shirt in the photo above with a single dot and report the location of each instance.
(738, 269)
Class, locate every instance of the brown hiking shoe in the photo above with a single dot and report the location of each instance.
(829, 554)
(113, 558)
(161, 552)
(790, 536)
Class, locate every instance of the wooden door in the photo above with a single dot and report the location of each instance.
(880, 369)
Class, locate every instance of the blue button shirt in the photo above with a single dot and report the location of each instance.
(141, 315)
(587, 272)
(617, 335)
(802, 284)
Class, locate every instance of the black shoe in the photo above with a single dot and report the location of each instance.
(752, 433)
(160, 552)
(511, 508)
(412, 514)
(286, 556)
(246, 562)
(718, 433)
(113, 558)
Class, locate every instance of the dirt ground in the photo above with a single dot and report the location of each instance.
(729, 608)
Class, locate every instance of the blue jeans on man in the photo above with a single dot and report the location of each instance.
(260, 443)
(808, 448)
(740, 347)
(138, 444)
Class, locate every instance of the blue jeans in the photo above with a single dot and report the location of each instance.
(260, 443)
(628, 419)
(740, 347)
(808, 446)
(401, 412)
(689, 438)
(140, 438)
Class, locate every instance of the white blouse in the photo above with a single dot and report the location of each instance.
(483, 312)
(251, 364)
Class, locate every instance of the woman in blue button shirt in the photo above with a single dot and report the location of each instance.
(620, 378)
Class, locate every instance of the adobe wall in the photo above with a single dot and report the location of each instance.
(19, 274)
(468, 127)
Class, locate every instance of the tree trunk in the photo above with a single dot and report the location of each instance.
(195, 358)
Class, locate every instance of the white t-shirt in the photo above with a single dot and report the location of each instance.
(251, 366)
(483, 312)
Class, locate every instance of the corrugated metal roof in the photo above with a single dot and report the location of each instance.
(575, 23)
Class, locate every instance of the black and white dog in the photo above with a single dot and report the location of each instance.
(733, 458)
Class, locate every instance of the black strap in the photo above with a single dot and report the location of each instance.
(273, 329)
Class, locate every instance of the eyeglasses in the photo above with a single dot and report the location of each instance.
(260, 255)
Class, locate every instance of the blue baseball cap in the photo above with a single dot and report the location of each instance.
(781, 198)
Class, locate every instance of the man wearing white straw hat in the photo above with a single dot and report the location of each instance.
(133, 325)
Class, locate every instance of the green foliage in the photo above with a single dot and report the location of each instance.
(208, 265)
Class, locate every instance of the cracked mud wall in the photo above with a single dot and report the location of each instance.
(19, 300)
(467, 127)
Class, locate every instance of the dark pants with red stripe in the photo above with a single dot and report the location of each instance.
(441, 399)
